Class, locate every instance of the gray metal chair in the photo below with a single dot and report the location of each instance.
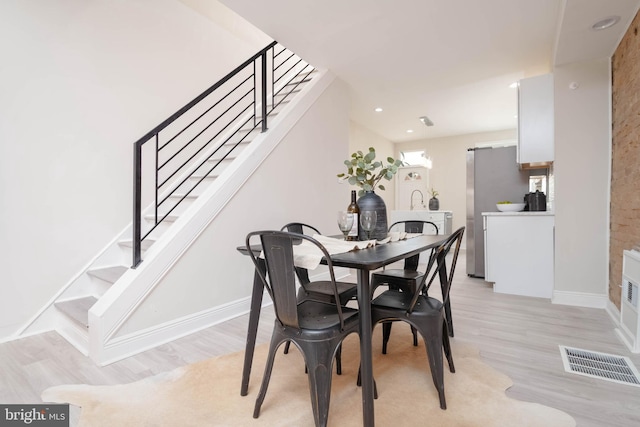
(405, 279)
(317, 328)
(424, 313)
(320, 290)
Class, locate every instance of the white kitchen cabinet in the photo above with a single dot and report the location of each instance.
(519, 252)
(442, 219)
(535, 120)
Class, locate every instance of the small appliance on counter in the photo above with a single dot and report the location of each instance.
(535, 201)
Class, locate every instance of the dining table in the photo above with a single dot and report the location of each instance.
(364, 261)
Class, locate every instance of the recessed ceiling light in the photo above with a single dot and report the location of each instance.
(409, 130)
(378, 110)
(605, 23)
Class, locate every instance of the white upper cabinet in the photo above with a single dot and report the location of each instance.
(535, 120)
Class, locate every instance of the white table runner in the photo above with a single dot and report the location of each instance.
(307, 255)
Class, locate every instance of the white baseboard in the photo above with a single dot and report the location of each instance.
(613, 311)
(125, 346)
(580, 299)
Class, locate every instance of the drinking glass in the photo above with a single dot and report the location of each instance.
(368, 221)
(345, 222)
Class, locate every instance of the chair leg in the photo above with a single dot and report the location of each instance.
(434, 353)
(319, 362)
(386, 333)
(359, 383)
(338, 361)
(449, 320)
(447, 347)
(265, 379)
(415, 336)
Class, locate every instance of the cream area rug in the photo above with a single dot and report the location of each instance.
(207, 393)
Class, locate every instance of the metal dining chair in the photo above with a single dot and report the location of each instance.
(319, 290)
(317, 328)
(405, 279)
(423, 312)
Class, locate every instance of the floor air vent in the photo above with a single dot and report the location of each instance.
(605, 366)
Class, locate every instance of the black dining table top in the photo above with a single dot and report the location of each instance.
(381, 255)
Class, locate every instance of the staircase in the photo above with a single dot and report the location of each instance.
(90, 309)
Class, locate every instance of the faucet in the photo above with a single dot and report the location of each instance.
(421, 198)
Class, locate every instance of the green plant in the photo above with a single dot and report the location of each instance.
(433, 192)
(365, 172)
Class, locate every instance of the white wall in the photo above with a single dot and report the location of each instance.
(361, 138)
(80, 82)
(297, 182)
(449, 173)
(582, 178)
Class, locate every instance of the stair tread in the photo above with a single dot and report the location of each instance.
(78, 309)
(109, 274)
(169, 218)
(146, 243)
(226, 160)
(182, 195)
(211, 175)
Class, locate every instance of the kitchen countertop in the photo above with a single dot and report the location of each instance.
(420, 210)
(521, 213)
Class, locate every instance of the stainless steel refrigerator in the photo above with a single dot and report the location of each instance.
(493, 175)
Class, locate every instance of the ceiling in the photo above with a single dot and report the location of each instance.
(449, 60)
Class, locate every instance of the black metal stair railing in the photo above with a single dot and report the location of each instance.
(190, 146)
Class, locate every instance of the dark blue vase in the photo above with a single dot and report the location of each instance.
(370, 201)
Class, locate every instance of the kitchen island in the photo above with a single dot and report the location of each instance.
(519, 251)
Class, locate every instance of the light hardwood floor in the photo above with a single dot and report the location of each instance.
(517, 335)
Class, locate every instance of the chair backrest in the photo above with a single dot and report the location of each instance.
(414, 226)
(300, 228)
(446, 278)
(438, 262)
(278, 252)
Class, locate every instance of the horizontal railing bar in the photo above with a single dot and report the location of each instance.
(206, 128)
(293, 88)
(205, 175)
(199, 137)
(206, 111)
(275, 55)
(286, 72)
(203, 95)
(295, 76)
(205, 145)
(275, 68)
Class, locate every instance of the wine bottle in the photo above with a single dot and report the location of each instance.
(355, 211)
